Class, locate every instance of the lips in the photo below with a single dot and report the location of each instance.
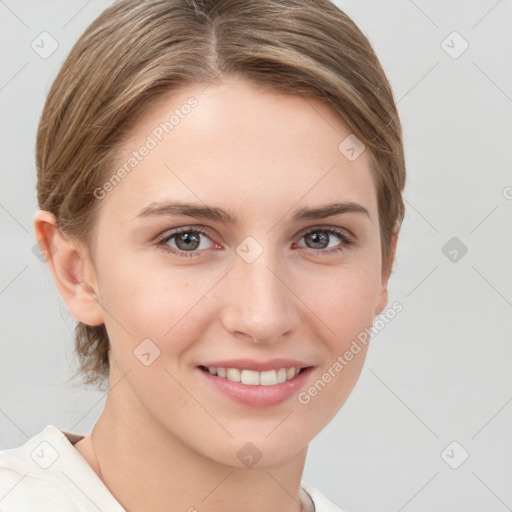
(251, 394)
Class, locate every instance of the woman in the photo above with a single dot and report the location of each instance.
(219, 185)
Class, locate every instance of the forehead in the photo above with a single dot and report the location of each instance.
(237, 144)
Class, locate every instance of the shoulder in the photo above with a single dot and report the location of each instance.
(322, 503)
(24, 492)
(47, 473)
(27, 482)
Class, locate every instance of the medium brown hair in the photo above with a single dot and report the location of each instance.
(138, 51)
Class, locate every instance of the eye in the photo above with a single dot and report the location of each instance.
(321, 238)
(187, 242)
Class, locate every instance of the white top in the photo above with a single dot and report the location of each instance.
(48, 474)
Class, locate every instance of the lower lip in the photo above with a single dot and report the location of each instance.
(258, 396)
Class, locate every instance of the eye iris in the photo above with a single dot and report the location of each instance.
(191, 242)
(318, 237)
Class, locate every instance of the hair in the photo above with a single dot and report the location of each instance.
(139, 51)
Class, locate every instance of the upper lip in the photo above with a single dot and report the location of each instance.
(259, 366)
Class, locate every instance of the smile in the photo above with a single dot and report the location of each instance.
(252, 377)
(254, 388)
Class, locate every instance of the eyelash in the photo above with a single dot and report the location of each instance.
(346, 241)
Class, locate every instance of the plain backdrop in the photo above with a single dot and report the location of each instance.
(428, 425)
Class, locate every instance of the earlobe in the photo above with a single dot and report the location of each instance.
(72, 270)
(382, 301)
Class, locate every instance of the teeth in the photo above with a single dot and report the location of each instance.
(268, 378)
(233, 374)
(250, 377)
(253, 378)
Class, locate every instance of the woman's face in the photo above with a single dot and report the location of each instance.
(269, 283)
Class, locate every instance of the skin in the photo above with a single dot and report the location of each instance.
(165, 440)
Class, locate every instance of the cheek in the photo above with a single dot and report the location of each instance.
(144, 299)
(343, 300)
(343, 313)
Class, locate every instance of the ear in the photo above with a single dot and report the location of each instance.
(72, 269)
(382, 298)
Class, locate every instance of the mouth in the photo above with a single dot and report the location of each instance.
(253, 388)
(253, 377)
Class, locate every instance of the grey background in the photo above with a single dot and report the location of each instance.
(438, 373)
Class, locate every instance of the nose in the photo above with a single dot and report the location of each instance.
(259, 304)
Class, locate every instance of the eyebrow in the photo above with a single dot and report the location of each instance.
(221, 215)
